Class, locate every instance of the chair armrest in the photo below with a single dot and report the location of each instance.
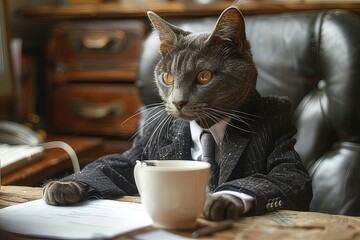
(336, 180)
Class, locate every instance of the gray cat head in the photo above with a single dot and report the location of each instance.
(205, 76)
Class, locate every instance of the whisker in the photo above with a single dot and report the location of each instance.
(245, 113)
(238, 114)
(166, 122)
(241, 129)
(231, 115)
(155, 131)
(200, 119)
(223, 114)
(150, 119)
(212, 117)
(141, 110)
(161, 119)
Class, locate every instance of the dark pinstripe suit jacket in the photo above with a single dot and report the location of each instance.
(262, 163)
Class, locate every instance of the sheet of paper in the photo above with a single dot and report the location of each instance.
(159, 234)
(89, 220)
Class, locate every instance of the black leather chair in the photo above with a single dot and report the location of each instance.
(314, 59)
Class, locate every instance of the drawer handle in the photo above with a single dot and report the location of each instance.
(97, 111)
(97, 42)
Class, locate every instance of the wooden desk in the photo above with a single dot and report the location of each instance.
(282, 224)
(55, 161)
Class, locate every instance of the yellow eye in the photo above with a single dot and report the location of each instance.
(204, 77)
(168, 78)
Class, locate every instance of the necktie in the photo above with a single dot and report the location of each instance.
(208, 147)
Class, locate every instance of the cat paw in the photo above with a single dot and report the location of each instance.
(223, 206)
(64, 192)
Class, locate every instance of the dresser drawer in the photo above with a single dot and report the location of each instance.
(95, 109)
(95, 50)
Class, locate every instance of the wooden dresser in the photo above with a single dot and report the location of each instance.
(91, 67)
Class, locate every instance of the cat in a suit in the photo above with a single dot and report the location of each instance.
(207, 81)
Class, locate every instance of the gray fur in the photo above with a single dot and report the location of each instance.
(225, 52)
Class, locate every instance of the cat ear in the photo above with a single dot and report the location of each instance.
(230, 27)
(165, 31)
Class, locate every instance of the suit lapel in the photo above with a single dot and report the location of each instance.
(177, 143)
(233, 146)
(235, 140)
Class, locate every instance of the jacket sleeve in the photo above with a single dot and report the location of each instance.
(112, 175)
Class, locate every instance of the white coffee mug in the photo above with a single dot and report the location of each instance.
(173, 192)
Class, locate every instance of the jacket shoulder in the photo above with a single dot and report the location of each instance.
(274, 103)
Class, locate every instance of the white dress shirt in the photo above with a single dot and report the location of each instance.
(218, 132)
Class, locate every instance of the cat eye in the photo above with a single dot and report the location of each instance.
(204, 77)
(168, 78)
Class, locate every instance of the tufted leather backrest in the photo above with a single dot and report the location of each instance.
(313, 58)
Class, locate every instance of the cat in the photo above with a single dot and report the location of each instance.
(205, 78)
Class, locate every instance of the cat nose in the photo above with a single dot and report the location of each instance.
(179, 104)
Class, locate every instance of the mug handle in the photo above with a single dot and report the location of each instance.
(137, 175)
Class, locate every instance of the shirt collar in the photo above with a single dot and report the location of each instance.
(217, 130)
